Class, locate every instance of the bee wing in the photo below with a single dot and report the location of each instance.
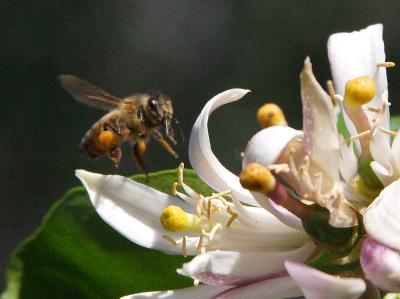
(88, 94)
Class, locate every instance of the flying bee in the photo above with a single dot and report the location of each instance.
(135, 118)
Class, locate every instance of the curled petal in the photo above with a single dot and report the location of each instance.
(382, 218)
(203, 161)
(200, 292)
(385, 175)
(233, 268)
(316, 284)
(132, 209)
(356, 54)
(266, 146)
(321, 139)
(381, 265)
(276, 288)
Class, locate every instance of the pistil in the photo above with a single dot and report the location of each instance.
(256, 177)
(358, 92)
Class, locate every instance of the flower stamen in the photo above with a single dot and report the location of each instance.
(279, 168)
(386, 131)
(170, 240)
(184, 250)
(387, 64)
(233, 217)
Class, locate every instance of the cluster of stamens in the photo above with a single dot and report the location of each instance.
(203, 222)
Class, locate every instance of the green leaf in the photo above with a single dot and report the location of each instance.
(74, 254)
(395, 122)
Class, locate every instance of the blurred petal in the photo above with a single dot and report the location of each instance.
(203, 161)
(356, 54)
(321, 138)
(131, 208)
(232, 268)
(382, 218)
(316, 284)
(381, 265)
(277, 288)
(200, 292)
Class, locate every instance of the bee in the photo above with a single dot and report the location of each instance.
(136, 119)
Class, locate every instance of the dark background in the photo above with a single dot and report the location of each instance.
(190, 50)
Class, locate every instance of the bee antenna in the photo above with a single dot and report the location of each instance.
(179, 128)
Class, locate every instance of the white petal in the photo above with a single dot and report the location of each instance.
(277, 288)
(317, 285)
(348, 162)
(380, 149)
(356, 54)
(203, 161)
(321, 138)
(383, 174)
(381, 265)
(266, 146)
(233, 268)
(382, 218)
(200, 292)
(278, 211)
(273, 237)
(131, 208)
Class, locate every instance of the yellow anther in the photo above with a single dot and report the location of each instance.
(256, 177)
(271, 115)
(174, 219)
(107, 139)
(359, 91)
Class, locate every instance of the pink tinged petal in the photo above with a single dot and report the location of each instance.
(316, 284)
(233, 268)
(382, 217)
(276, 288)
(356, 54)
(381, 265)
(132, 209)
(278, 211)
(203, 161)
(255, 217)
(321, 138)
(200, 292)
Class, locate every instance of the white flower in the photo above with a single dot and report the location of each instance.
(254, 245)
(246, 255)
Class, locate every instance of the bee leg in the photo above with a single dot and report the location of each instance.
(139, 150)
(115, 155)
(167, 147)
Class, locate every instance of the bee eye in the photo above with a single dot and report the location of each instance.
(153, 104)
